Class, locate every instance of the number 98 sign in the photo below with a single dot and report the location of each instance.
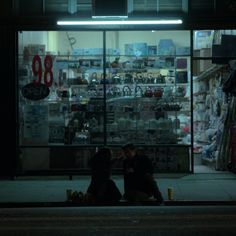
(38, 70)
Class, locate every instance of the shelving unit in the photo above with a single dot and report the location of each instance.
(150, 103)
(209, 111)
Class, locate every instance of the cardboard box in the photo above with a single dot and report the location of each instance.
(152, 50)
(205, 64)
(140, 49)
(205, 52)
(166, 47)
(200, 65)
(136, 49)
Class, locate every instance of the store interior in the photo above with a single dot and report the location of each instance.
(146, 87)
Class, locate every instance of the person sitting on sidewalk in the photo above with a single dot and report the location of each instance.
(102, 189)
(139, 183)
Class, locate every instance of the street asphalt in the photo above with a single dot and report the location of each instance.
(114, 221)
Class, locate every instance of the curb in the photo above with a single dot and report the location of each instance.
(78, 204)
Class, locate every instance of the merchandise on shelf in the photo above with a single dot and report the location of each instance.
(210, 109)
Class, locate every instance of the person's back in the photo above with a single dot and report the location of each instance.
(100, 165)
(139, 183)
(135, 171)
(102, 189)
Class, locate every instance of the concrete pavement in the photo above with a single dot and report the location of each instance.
(212, 187)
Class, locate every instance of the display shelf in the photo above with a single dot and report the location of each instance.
(208, 111)
(145, 56)
(140, 108)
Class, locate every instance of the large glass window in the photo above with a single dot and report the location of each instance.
(73, 95)
(61, 94)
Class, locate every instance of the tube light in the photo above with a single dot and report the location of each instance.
(110, 17)
(120, 22)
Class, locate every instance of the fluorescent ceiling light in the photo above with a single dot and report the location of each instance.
(120, 22)
(109, 17)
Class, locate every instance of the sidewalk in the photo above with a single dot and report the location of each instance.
(187, 189)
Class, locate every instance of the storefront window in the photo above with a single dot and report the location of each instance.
(148, 97)
(71, 94)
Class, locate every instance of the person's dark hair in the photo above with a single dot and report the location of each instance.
(101, 161)
(129, 146)
(104, 153)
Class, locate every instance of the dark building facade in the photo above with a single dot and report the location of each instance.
(22, 18)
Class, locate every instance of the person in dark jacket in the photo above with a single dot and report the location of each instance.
(102, 188)
(139, 183)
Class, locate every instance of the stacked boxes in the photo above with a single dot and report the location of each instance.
(201, 65)
(136, 49)
(129, 49)
(166, 47)
(205, 64)
(94, 51)
(152, 50)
